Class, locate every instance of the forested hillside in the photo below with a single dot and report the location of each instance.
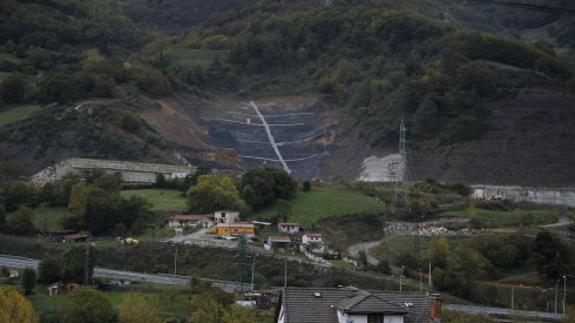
(437, 64)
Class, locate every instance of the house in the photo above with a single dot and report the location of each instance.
(352, 305)
(233, 229)
(278, 242)
(228, 217)
(289, 228)
(60, 288)
(311, 239)
(313, 242)
(187, 220)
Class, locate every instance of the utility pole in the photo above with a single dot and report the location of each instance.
(254, 270)
(420, 280)
(87, 266)
(429, 274)
(176, 259)
(400, 278)
(556, 293)
(285, 273)
(564, 292)
(512, 297)
(243, 261)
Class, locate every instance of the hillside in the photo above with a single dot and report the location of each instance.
(479, 107)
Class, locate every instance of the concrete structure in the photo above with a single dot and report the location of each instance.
(289, 228)
(188, 220)
(227, 217)
(234, 229)
(347, 305)
(564, 196)
(131, 173)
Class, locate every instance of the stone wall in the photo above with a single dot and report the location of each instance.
(130, 172)
(525, 194)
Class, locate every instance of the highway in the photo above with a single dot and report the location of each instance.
(16, 262)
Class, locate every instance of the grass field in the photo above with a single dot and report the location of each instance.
(16, 113)
(507, 218)
(310, 207)
(49, 218)
(161, 199)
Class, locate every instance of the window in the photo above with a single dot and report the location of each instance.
(375, 318)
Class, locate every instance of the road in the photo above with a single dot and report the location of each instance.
(22, 263)
(504, 312)
(356, 248)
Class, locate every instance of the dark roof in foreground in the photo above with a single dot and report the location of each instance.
(319, 305)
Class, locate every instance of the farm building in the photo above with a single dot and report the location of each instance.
(189, 220)
(228, 217)
(278, 242)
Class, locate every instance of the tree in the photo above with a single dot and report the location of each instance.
(249, 196)
(269, 184)
(15, 308)
(138, 309)
(211, 194)
(79, 199)
(76, 260)
(550, 255)
(87, 306)
(20, 221)
(49, 270)
(306, 186)
(19, 193)
(160, 180)
(440, 252)
(239, 314)
(283, 210)
(2, 216)
(13, 88)
(205, 310)
(28, 281)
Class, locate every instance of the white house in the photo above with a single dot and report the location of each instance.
(311, 238)
(289, 228)
(313, 242)
(228, 217)
(351, 305)
(187, 220)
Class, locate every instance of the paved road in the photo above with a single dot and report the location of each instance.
(504, 312)
(22, 263)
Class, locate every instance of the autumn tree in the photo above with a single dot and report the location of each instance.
(205, 310)
(15, 308)
(87, 306)
(79, 199)
(138, 309)
(211, 194)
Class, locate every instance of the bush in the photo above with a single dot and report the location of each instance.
(306, 186)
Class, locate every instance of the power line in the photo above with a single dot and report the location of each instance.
(520, 5)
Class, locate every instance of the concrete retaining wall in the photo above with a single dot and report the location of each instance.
(131, 172)
(564, 196)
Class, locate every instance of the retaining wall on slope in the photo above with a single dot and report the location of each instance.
(564, 196)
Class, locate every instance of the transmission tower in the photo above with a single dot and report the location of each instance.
(244, 266)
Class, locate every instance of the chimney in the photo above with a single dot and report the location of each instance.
(435, 307)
